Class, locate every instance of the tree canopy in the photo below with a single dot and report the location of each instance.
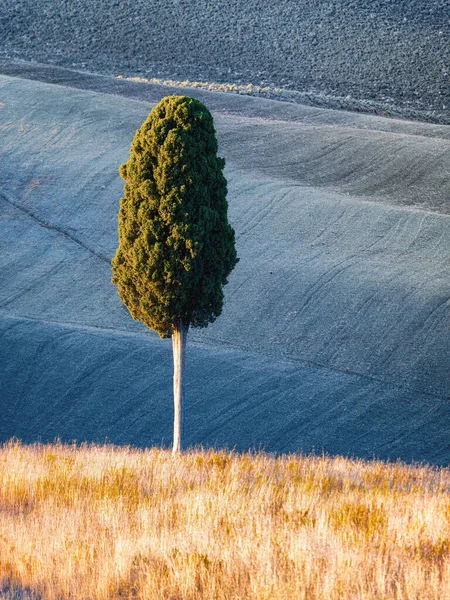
(176, 247)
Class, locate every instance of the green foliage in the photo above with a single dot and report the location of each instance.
(176, 248)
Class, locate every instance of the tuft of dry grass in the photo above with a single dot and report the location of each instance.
(234, 88)
(103, 522)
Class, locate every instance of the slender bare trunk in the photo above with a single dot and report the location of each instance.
(178, 345)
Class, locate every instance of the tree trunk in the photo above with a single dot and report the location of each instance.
(178, 345)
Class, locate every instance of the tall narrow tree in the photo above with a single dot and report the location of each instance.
(176, 247)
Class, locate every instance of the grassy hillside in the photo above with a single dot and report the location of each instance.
(105, 522)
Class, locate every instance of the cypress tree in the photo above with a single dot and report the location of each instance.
(176, 247)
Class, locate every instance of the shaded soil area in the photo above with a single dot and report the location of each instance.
(335, 328)
(392, 52)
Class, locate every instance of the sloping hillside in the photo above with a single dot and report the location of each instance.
(335, 333)
(395, 52)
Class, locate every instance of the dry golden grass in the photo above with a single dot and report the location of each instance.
(102, 522)
(248, 89)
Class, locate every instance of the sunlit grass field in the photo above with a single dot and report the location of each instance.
(104, 522)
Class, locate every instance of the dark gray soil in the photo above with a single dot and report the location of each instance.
(395, 53)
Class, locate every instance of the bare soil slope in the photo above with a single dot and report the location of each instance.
(396, 52)
(335, 333)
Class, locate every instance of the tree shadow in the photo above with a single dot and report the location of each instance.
(13, 590)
